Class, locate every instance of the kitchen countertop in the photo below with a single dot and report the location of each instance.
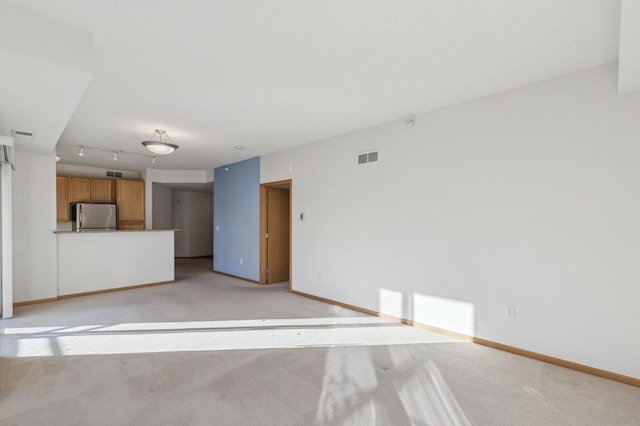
(105, 231)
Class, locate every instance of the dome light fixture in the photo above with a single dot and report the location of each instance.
(159, 147)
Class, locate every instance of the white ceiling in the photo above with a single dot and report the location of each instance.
(268, 75)
(45, 68)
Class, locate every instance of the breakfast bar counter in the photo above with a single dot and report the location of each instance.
(98, 261)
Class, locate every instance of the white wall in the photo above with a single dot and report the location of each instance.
(200, 223)
(162, 207)
(193, 215)
(169, 176)
(181, 222)
(34, 221)
(527, 198)
(6, 232)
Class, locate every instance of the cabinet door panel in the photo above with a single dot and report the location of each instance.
(79, 190)
(102, 191)
(62, 198)
(130, 200)
(129, 226)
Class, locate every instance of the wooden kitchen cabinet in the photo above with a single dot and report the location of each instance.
(130, 201)
(79, 190)
(102, 191)
(127, 194)
(62, 198)
(90, 190)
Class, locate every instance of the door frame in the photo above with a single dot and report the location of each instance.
(263, 228)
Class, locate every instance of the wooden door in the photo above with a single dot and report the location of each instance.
(79, 190)
(62, 198)
(102, 191)
(130, 201)
(278, 234)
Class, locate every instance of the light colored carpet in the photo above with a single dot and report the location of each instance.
(212, 350)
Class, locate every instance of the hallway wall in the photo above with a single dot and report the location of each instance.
(191, 214)
(162, 203)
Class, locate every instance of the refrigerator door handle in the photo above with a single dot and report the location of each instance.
(80, 217)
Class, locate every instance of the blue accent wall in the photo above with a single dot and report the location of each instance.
(236, 219)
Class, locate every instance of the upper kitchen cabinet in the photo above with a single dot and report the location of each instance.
(102, 191)
(79, 190)
(62, 198)
(127, 194)
(130, 201)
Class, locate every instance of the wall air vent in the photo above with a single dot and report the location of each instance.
(368, 157)
(114, 174)
(22, 134)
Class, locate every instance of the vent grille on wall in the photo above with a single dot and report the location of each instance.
(114, 174)
(21, 134)
(368, 157)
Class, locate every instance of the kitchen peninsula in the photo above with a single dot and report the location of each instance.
(99, 261)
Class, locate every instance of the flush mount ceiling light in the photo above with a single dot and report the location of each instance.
(159, 147)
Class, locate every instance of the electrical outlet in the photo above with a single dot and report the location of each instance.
(510, 311)
(241, 261)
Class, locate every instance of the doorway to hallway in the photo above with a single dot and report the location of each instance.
(275, 232)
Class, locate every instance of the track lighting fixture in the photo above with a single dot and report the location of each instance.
(115, 154)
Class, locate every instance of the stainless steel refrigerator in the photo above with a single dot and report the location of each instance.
(89, 216)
